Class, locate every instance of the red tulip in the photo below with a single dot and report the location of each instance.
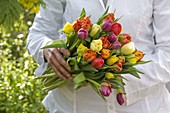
(119, 67)
(126, 38)
(116, 28)
(97, 63)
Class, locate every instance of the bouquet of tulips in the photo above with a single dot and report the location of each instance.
(100, 55)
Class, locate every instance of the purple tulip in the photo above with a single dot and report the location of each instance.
(105, 91)
(82, 34)
(112, 38)
(116, 45)
(121, 98)
(106, 25)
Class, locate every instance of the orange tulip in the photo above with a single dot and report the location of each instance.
(89, 55)
(139, 55)
(110, 16)
(77, 25)
(105, 42)
(105, 53)
(86, 23)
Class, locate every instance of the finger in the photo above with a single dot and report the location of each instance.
(57, 72)
(52, 61)
(61, 60)
(64, 51)
(60, 68)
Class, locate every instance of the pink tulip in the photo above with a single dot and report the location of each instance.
(121, 98)
(112, 38)
(82, 34)
(97, 63)
(116, 45)
(106, 25)
(105, 89)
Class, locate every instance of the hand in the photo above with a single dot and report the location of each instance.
(54, 56)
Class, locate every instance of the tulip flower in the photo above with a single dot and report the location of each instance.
(68, 28)
(116, 28)
(119, 67)
(111, 60)
(121, 98)
(112, 38)
(109, 75)
(116, 45)
(106, 25)
(105, 89)
(105, 53)
(81, 49)
(77, 25)
(95, 28)
(126, 38)
(139, 55)
(105, 42)
(128, 48)
(86, 23)
(121, 59)
(89, 55)
(97, 63)
(96, 45)
(82, 34)
(110, 16)
(133, 60)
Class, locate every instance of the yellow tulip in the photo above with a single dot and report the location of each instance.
(68, 28)
(80, 50)
(96, 45)
(113, 59)
(109, 75)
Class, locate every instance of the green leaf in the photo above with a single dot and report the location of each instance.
(94, 76)
(108, 67)
(143, 62)
(72, 61)
(132, 70)
(79, 85)
(78, 78)
(103, 16)
(88, 67)
(82, 14)
(56, 44)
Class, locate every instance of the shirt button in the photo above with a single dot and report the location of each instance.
(111, 107)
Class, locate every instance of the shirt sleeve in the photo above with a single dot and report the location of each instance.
(45, 28)
(157, 72)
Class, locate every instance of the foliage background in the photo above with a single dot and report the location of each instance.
(19, 91)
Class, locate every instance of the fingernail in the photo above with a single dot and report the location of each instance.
(70, 77)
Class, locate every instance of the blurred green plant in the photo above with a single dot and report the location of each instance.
(11, 10)
(19, 91)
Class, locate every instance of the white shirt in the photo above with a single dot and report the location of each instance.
(144, 20)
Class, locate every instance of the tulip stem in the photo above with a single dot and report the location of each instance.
(77, 42)
(94, 82)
